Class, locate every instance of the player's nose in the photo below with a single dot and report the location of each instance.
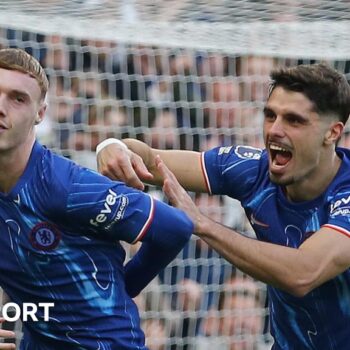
(3, 105)
(276, 128)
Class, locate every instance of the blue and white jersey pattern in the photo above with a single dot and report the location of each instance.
(321, 319)
(61, 227)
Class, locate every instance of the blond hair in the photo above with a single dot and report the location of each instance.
(19, 60)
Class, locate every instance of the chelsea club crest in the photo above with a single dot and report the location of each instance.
(45, 236)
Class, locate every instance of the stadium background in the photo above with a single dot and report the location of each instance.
(177, 75)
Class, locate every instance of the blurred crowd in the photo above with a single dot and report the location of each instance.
(173, 99)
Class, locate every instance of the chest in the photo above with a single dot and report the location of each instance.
(276, 222)
(36, 245)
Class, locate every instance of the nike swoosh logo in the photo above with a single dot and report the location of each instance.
(18, 199)
(257, 222)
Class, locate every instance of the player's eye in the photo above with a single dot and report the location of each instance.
(19, 98)
(269, 115)
(295, 120)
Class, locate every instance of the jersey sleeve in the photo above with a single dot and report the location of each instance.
(110, 209)
(339, 213)
(167, 236)
(231, 170)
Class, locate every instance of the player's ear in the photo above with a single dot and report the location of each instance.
(333, 133)
(40, 115)
(38, 119)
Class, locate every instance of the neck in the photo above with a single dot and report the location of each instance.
(315, 184)
(13, 163)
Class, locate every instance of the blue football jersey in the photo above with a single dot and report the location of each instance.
(321, 319)
(61, 227)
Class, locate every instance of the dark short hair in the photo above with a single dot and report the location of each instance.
(17, 59)
(324, 86)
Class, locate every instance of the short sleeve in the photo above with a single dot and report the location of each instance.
(107, 209)
(339, 213)
(231, 170)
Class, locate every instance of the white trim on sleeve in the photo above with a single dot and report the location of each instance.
(205, 174)
(147, 224)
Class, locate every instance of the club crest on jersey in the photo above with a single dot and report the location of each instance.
(248, 152)
(45, 236)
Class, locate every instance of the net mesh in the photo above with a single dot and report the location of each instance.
(176, 74)
(290, 28)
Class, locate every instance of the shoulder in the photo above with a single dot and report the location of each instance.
(235, 158)
(338, 194)
(344, 155)
(235, 170)
(342, 179)
(247, 152)
(55, 169)
(60, 177)
(239, 151)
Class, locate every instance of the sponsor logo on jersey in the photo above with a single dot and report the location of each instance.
(17, 200)
(338, 203)
(45, 236)
(123, 203)
(248, 152)
(122, 206)
(109, 202)
(344, 211)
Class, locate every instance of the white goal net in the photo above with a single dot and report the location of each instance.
(176, 74)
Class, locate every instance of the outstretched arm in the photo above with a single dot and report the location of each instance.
(298, 271)
(136, 164)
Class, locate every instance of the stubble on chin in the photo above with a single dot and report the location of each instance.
(280, 181)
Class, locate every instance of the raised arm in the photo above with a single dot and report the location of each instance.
(136, 164)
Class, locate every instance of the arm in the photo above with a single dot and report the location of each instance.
(88, 204)
(110, 210)
(169, 232)
(297, 271)
(136, 165)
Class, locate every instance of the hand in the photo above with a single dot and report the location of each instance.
(5, 335)
(124, 165)
(177, 194)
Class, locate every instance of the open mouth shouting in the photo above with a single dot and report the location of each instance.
(280, 157)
